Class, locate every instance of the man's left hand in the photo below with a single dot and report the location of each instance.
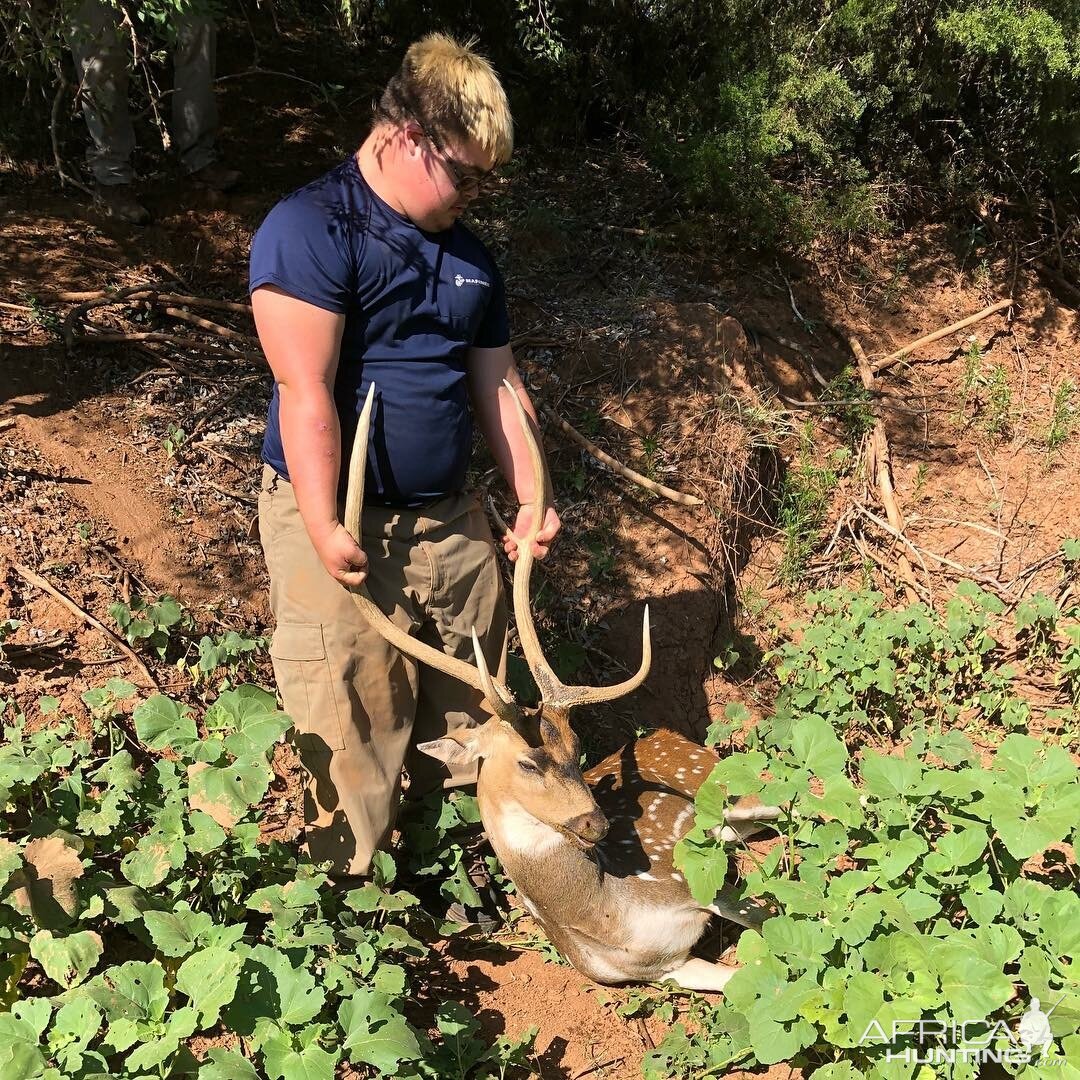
(523, 524)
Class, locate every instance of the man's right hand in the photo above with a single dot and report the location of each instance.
(341, 555)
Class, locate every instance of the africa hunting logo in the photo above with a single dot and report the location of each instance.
(940, 1042)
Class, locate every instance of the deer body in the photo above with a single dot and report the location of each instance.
(591, 856)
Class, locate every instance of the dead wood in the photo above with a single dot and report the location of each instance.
(209, 326)
(899, 354)
(679, 497)
(879, 471)
(171, 339)
(40, 583)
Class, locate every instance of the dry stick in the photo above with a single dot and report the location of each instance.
(1041, 265)
(209, 326)
(679, 497)
(888, 361)
(40, 583)
(880, 470)
(172, 339)
(71, 319)
(967, 571)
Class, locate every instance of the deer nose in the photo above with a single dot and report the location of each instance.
(592, 826)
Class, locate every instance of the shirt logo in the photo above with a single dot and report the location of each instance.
(460, 279)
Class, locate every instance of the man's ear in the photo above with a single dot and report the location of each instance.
(457, 748)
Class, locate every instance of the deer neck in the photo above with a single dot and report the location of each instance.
(544, 864)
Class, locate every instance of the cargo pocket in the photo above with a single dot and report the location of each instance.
(307, 686)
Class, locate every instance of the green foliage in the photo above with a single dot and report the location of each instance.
(911, 885)
(804, 502)
(847, 400)
(139, 909)
(868, 669)
(230, 658)
(1062, 416)
(151, 622)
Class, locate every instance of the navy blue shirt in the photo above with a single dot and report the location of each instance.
(414, 303)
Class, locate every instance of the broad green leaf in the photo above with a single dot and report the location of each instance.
(252, 715)
(209, 977)
(226, 1065)
(376, 1033)
(161, 722)
(67, 960)
(284, 1062)
(973, 988)
(149, 864)
(816, 747)
(20, 1058)
(76, 1023)
(704, 863)
(226, 794)
(176, 932)
(889, 777)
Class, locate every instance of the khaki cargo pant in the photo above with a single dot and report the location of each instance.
(357, 704)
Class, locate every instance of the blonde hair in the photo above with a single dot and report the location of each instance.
(453, 93)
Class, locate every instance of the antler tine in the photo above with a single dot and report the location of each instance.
(552, 691)
(497, 696)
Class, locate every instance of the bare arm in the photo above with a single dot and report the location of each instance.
(498, 421)
(302, 343)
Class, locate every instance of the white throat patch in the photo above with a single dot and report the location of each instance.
(517, 830)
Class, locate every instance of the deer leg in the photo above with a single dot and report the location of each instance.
(698, 974)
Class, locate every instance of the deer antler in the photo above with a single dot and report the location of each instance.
(552, 691)
(497, 696)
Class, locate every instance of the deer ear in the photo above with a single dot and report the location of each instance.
(456, 749)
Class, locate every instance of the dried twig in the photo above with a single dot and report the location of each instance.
(209, 326)
(900, 354)
(642, 481)
(965, 571)
(40, 583)
(172, 339)
(879, 470)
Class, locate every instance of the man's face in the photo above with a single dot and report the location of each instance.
(441, 179)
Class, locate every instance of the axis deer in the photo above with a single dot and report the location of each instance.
(590, 856)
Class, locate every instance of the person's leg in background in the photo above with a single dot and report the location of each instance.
(102, 57)
(194, 108)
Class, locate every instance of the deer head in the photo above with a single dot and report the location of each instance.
(530, 756)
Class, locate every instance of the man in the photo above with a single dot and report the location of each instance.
(368, 275)
(101, 47)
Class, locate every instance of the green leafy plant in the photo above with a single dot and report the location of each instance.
(139, 909)
(175, 437)
(229, 658)
(848, 401)
(926, 883)
(1062, 416)
(150, 622)
(804, 501)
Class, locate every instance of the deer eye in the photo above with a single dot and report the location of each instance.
(529, 766)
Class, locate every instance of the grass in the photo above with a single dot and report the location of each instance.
(1061, 416)
(804, 502)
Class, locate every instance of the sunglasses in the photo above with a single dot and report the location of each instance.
(468, 183)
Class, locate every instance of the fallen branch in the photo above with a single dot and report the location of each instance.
(966, 571)
(209, 326)
(879, 471)
(172, 339)
(888, 361)
(40, 583)
(679, 497)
